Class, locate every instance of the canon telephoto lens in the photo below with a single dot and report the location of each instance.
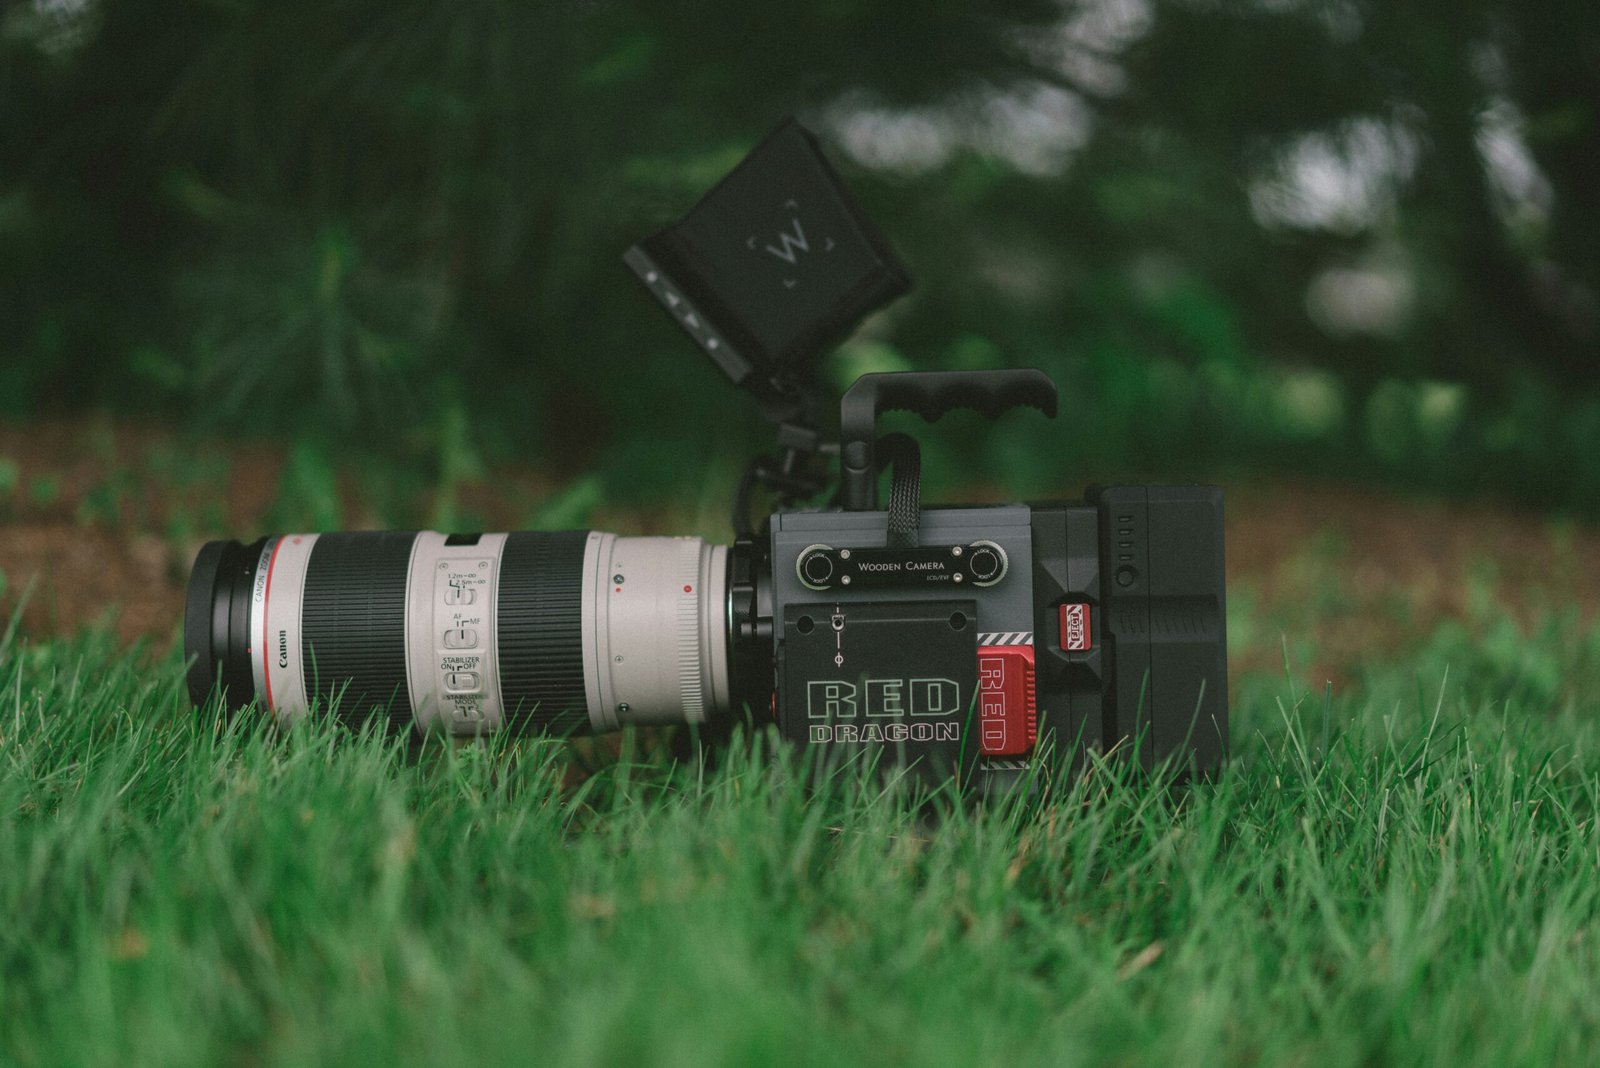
(464, 633)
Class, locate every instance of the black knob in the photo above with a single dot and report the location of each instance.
(985, 564)
(817, 568)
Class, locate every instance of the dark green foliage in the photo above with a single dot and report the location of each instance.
(399, 222)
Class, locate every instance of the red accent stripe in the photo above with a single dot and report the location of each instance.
(266, 642)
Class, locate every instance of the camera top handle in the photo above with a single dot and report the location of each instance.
(929, 394)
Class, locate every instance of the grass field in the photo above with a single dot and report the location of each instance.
(1409, 876)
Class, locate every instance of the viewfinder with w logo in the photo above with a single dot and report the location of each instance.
(773, 266)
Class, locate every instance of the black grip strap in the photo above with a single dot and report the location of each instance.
(905, 489)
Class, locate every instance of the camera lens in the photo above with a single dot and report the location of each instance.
(541, 632)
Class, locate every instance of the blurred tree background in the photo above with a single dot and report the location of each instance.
(1351, 237)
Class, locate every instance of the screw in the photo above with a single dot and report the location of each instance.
(955, 550)
(844, 554)
(958, 576)
(844, 580)
(619, 659)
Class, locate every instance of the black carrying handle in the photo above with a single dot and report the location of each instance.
(930, 394)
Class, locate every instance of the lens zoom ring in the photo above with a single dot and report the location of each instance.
(354, 625)
(540, 627)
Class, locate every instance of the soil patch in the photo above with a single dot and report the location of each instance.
(99, 521)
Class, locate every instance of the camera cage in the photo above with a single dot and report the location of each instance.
(766, 273)
(1113, 628)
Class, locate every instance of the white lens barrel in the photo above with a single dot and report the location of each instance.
(469, 635)
(452, 626)
(655, 630)
(276, 599)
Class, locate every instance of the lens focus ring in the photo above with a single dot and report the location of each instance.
(540, 625)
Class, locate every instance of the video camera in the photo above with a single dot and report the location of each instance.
(970, 642)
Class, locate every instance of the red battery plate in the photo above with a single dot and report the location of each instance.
(1008, 723)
